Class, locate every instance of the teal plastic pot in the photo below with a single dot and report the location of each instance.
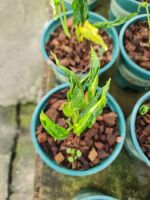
(50, 28)
(92, 4)
(119, 8)
(131, 142)
(51, 163)
(129, 74)
(92, 196)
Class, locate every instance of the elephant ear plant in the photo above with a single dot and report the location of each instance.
(80, 16)
(69, 125)
(81, 111)
(80, 30)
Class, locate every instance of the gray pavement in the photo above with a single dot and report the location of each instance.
(21, 62)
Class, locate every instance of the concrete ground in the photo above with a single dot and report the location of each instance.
(24, 78)
(20, 57)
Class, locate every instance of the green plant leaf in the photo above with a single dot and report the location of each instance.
(93, 75)
(73, 151)
(146, 6)
(64, 21)
(80, 11)
(117, 22)
(78, 153)
(75, 95)
(90, 32)
(68, 150)
(144, 109)
(92, 102)
(56, 6)
(56, 131)
(70, 159)
(89, 115)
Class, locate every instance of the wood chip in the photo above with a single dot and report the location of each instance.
(92, 155)
(59, 158)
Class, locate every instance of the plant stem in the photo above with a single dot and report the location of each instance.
(145, 5)
(77, 33)
(148, 19)
(64, 21)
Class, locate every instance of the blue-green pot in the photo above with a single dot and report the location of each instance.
(119, 8)
(92, 196)
(51, 163)
(92, 4)
(50, 28)
(129, 74)
(131, 141)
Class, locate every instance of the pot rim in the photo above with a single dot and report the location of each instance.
(137, 2)
(124, 52)
(132, 126)
(92, 1)
(96, 197)
(66, 171)
(113, 35)
(92, 195)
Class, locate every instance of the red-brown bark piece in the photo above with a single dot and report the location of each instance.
(42, 137)
(110, 118)
(52, 114)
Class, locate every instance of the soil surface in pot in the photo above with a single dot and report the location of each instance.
(143, 131)
(95, 144)
(76, 55)
(136, 44)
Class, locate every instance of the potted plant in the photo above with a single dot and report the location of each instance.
(119, 8)
(91, 3)
(133, 70)
(138, 137)
(77, 128)
(71, 43)
(90, 195)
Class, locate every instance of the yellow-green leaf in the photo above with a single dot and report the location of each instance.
(89, 32)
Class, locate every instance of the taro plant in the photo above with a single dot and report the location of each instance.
(84, 29)
(146, 6)
(84, 102)
(144, 109)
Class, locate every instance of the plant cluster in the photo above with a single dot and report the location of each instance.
(84, 102)
(74, 154)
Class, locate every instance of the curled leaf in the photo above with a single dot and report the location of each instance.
(80, 11)
(56, 131)
(116, 22)
(75, 95)
(93, 75)
(92, 111)
(90, 32)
